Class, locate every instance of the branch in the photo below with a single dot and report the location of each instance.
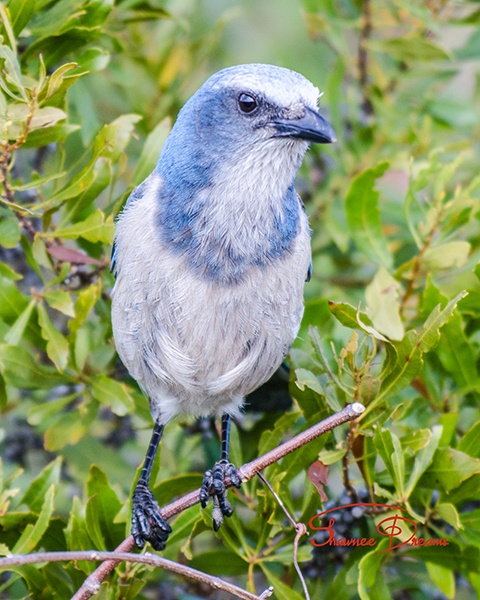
(418, 262)
(245, 472)
(363, 56)
(300, 528)
(147, 559)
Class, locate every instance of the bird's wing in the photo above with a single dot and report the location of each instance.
(309, 271)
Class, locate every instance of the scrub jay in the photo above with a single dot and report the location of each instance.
(211, 254)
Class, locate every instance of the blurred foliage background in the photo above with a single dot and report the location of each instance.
(89, 90)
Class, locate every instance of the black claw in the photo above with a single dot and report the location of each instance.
(148, 525)
(204, 492)
(215, 479)
(217, 514)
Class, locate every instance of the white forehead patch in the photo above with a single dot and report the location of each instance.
(277, 85)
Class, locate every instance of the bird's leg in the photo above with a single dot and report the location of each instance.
(216, 478)
(147, 522)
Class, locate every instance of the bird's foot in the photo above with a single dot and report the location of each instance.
(216, 478)
(148, 525)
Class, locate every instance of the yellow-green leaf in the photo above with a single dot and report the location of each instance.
(57, 345)
(93, 229)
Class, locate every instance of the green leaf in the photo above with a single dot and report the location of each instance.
(347, 315)
(317, 346)
(151, 150)
(37, 181)
(42, 117)
(37, 490)
(12, 301)
(67, 428)
(57, 345)
(329, 457)
(449, 423)
(93, 59)
(13, 69)
(92, 523)
(57, 78)
(368, 389)
(368, 568)
(21, 369)
(449, 468)
(282, 591)
(455, 557)
(409, 48)
(423, 459)
(471, 49)
(390, 450)
(363, 216)
(123, 128)
(111, 393)
(93, 229)
(3, 393)
(28, 249)
(85, 302)
(107, 144)
(307, 379)
(101, 178)
(443, 578)
(455, 113)
(457, 355)
(469, 443)
(9, 273)
(48, 135)
(33, 533)
(449, 513)
(219, 562)
(41, 412)
(77, 537)
(453, 254)
(9, 233)
(108, 507)
(166, 490)
(382, 298)
(15, 334)
(61, 301)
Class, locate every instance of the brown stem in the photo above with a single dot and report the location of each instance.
(418, 263)
(363, 56)
(6, 154)
(245, 472)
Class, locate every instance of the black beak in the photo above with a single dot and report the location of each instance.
(311, 128)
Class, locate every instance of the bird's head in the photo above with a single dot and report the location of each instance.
(248, 114)
(259, 102)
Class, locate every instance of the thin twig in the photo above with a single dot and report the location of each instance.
(300, 529)
(345, 475)
(363, 56)
(277, 498)
(147, 559)
(418, 262)
(245, 472)
(6, 155)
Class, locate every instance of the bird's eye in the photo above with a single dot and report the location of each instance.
(247, 103)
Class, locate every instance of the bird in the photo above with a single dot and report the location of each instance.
(211, 253)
